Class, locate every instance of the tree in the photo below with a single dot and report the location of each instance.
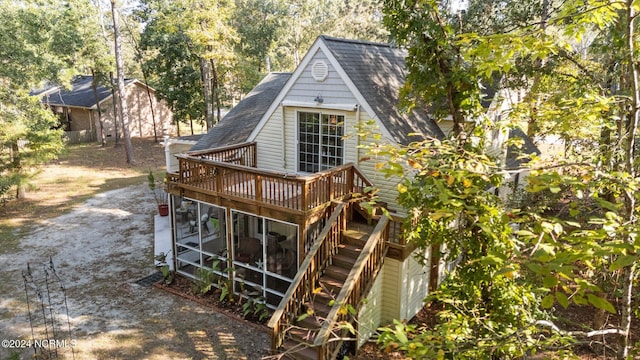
(120, 99)
(259, 24)
(38, 41)
(188, 50)
(559, 247)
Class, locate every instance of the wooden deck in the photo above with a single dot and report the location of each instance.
(230, 173)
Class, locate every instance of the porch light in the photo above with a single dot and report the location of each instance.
(318, 99)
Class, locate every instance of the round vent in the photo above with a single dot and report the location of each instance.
(319, 70)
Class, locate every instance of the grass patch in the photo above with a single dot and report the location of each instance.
(78, 174)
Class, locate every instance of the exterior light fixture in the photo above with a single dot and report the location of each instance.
(318, 99)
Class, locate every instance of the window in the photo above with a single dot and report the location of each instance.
(320, 142)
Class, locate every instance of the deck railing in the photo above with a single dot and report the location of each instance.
(241, 154)
(230, 172)
(302, 287)
(356, 287)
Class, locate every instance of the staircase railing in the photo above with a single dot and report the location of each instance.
(301, 289)
(356, 287)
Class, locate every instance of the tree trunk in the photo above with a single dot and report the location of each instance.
(205, 75)
(215, 86)
(629, 198)
(100, 131)
(124, 112)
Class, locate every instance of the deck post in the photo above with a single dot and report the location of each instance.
(259, 188)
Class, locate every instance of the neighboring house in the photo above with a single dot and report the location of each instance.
(274, 191)
(77, 109)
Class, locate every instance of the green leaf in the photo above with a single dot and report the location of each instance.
(547, 301)
(550, 281)
(601, 303)
(562, 299)
(623, 261)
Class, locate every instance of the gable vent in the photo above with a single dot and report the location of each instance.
(319, 70)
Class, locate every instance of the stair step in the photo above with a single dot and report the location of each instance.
(350, 250)
(325, 297)
(344, 259)
(294, 350)
(337, 272)
(302, 335)
(310, 322)
(354, 235)
(331, 284)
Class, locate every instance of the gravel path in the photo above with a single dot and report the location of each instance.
(99, 250)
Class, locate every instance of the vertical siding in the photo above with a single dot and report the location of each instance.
(370, 315)
(391, 290)
(416, 287)
(405, 286)
(141, 121)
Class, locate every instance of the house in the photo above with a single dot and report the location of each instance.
(269, 199)
(78, 106)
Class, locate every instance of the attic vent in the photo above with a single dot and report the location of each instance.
(319, 70)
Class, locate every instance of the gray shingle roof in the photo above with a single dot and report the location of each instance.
(80, 95)
(514, 158)
(378, 71)
(238, 124)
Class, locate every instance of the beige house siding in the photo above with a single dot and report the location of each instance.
(140, 119)
(388, 187)
(398, 293)
(80, 119)
(405, 285)
(415, 287)
(270, 144)
(370, 315)
(278, 140)
(392, 276)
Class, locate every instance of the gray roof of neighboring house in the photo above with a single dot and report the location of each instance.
(80, 95)
(514, 158)
(378, 71)
(238, 124)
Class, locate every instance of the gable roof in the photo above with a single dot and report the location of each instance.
(243, 118)
(80, 95)
(517, 156)
(378, 72)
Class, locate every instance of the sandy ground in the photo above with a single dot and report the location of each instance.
(99, 250)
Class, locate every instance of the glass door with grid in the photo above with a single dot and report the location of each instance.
(320, 141)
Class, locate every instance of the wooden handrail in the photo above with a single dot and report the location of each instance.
(213, 153)
(306, 280)
(295, 192)
(357, 284)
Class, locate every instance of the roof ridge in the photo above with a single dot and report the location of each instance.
(360, 42)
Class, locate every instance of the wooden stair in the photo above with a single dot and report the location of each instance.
(301, 336)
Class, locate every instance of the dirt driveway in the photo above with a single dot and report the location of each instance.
(99, 251)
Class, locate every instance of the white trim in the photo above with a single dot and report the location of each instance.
(319, 45)
(319, 70)
(314, 105)
(354, 90)
(285, 89)
(284, 140)
(297, 135)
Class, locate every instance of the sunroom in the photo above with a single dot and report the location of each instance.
(247, 225)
